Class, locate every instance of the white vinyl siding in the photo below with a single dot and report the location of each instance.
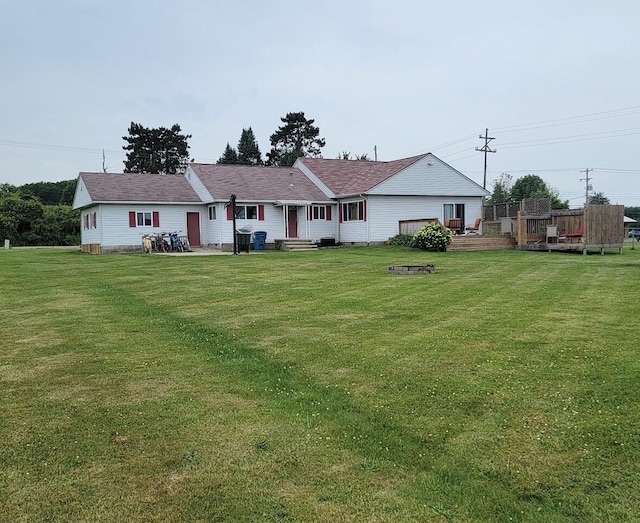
(220, 230)
(113, 223)
(91, 234)
(81, 196)
(197, 185)
(384, 213)
(429, 176)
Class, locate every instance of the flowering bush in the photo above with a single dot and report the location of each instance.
(433, 237)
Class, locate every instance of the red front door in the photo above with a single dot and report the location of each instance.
(193, 228)
(292, 222)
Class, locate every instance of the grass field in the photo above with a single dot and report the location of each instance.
(317, 387)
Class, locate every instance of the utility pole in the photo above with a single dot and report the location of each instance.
(587, 187)
(485, 149)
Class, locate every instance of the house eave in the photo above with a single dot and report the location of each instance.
(292, 203)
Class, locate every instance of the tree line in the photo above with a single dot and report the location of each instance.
(39, 214)
(166, 150)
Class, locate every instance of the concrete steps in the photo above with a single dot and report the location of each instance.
(295, 244)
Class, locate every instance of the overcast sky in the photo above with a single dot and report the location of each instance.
(556, 82)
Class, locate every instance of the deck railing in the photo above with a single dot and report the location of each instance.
(595, 225)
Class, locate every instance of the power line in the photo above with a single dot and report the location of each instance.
(578, 136)
(453, 142)
(68, 148)
(547, 141)
(559, 121)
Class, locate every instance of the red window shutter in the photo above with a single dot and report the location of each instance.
(156, 219)
(261, 212)
(229, 212)
(328, 213)
(340, 211)
(132, 219)
(364, 210)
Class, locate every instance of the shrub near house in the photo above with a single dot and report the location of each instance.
(433, 237)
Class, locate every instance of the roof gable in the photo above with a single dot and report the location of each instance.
(134, 187)
(257, 183)
(355, 176)
(430, 176)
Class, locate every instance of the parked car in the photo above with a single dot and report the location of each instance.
(634, 233)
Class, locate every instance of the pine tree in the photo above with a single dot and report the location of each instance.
(229, 157)
(296, 138)
(248, 149)
(156, 151)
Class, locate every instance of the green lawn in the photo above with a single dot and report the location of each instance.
(317, 387)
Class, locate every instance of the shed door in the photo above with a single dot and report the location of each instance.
(193, 228)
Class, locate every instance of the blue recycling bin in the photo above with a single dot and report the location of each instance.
(259, 240)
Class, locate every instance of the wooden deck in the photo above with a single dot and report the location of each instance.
(596, 227)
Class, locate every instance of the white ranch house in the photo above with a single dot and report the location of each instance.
(352, 202)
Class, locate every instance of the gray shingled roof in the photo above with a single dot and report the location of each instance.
(354, 176)
(134, 187)
(251, 183)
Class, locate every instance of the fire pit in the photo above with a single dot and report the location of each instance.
(412, 269)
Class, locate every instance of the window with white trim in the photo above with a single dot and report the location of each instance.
(246, 212)
(319, 212)
(353, 211)
(143, 219)
(212, 212)
(90, 220)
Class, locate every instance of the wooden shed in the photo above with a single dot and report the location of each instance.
(593, 227)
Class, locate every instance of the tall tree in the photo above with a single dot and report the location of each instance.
(501, 189)
(229, 156)
(52, 193)
(532, 186)
(296, 138)
(248, 149)
(156, 150)
(599, 199)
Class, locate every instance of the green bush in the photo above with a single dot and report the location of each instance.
(433, 237)
(402, 240)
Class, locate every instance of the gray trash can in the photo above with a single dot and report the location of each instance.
(243, 240)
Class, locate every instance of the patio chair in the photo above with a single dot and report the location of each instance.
(570, 236)
(455, 224)
(475, 228)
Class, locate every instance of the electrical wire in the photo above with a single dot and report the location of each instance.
(68, 148)
(566, 121)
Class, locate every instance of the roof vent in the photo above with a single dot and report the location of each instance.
(290, 179)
